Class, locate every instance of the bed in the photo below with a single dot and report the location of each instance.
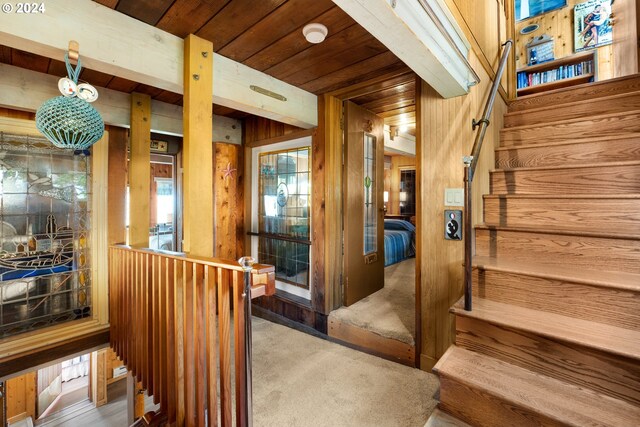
(399, 241)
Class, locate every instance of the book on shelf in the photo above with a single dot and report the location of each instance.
(527, 79)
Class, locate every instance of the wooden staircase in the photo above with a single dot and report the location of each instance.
(554, 335)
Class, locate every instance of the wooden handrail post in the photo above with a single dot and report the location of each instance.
(247, 265)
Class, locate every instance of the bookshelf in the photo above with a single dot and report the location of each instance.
(558, 73)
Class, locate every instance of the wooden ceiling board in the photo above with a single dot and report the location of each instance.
(234, 19)
(186, 17)
(94, 78)
(169, 97)
(332, 48)
(149, 11)
(362, 48)
(109, 3)
(57, 68)
(148, 90)
(375, 84)
(391, 107)
(334, 19)
(23, 59)
(387, 92)
(289, 18)
(5, 54)
(392, 103)
(122, 85)
(380, 64)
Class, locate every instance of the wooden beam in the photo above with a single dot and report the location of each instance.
(197, 148)
(139, 170)
(116, 44)
(413, 36)
(26, 90)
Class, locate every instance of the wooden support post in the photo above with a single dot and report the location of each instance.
(197, 147)
(99, 377)
(135, 399)
(139, 170)
(117, 185)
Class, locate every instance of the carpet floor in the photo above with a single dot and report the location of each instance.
(300, 380)
(390, 312)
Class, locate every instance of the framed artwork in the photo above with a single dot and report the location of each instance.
(591, 25)
(529, 8)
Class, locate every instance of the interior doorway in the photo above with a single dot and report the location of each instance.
(384, 318)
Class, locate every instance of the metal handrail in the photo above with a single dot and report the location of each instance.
(470, 164)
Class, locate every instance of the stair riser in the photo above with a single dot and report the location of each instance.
(596, 128)
(590, 92)
(564, 213)
(597, 370)
(612, 150)
(594, 303)
(478, 408)
(578, 251)
(620, 179)
(618, 104)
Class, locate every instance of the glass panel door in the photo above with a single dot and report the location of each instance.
(283, 213)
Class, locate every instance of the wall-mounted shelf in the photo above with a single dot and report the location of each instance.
(568, 71)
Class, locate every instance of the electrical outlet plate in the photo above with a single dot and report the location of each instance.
(453, 225)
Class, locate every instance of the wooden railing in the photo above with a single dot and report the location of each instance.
(165, 328)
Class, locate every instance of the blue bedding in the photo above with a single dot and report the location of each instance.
(399, 241)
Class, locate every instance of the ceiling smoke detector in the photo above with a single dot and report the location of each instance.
(315, 33)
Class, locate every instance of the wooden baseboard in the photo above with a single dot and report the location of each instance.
(427, 362)
(372, 343)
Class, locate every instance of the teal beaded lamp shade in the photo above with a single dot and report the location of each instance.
(70, 121)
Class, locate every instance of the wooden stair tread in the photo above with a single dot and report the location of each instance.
(439, 418)
(565, 167)
(618, 341)
(562, 231)
(609, 279)
(555, 97)
(557, 400)
(567, 105)
(556, 123)
(576, 142)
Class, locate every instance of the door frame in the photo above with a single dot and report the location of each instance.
(330, 125)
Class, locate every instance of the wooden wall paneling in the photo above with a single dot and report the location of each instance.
(625, 38)
(397, 162)
(21, 397)
(329, 255)
(118, 140)
(445, 135)
(228, 187)
(559, 25)
(197, 148)
(139, 170)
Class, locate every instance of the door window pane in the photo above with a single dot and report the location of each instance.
(284, 209)
(370, 199)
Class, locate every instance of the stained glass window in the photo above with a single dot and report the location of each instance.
(370, 201)
(284, 210)
(44, 256)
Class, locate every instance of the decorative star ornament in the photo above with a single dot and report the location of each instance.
(228, 171)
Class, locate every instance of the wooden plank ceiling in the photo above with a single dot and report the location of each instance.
(265, 35)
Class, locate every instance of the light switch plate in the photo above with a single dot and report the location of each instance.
(454, 196)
